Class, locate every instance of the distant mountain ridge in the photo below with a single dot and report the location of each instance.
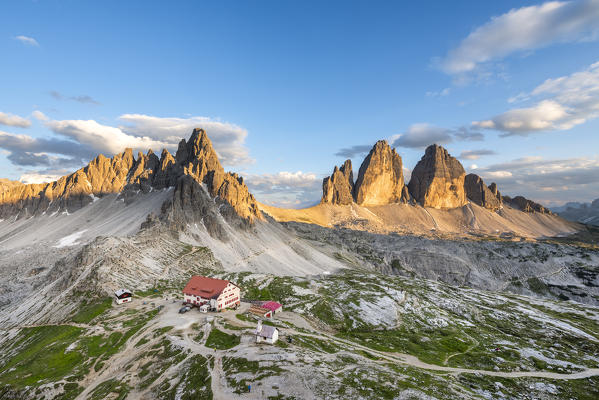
(586, 213)
(195, 161)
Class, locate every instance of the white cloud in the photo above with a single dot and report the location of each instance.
(524, 29)
(82, 140)
(475, 154)
(103, 138)
(14, 120)
(498, 174)
(40, 116)
(421, 135)
(441, 93)
(562, 103)
(546, 115)
(286, 189)
(547, 181)
(36, 177)
(27, 40)
(228, 139)
(283, 180)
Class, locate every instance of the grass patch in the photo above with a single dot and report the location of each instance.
(237, 365)
(195, 384)
(40, 356)
(315, 344)
(160, 358)
(91, 310)
(220, 340)
(121, 389)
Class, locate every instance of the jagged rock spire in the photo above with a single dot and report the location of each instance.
(480, 194)
(338, 188)
(195, 158)
(438, 180)
(380, 179)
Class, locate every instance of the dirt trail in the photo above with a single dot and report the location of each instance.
(413, 361)
(220, 389)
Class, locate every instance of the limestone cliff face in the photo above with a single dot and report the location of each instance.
(380, 179)
(338, 188)
(125, 174)
(438, 180)
(198, 159)
(6, 184)
(480, 194)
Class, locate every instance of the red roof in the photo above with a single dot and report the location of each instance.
(271, 305)
(205, 287)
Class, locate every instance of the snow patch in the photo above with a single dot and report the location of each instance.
(71, 239)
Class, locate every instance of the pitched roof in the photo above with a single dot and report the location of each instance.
(271, 305)
(205, 287)
(267, 331)
(121, 292)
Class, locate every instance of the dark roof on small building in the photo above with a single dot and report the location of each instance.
(121, 292)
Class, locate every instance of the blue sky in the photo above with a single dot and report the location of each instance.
(287, 90)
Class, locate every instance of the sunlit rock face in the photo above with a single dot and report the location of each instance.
(124, 174)
(438, 180)
(380, 179)
(480, 194)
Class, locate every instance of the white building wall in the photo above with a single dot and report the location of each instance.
(229, 293)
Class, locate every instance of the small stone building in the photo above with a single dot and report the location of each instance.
(266, 333)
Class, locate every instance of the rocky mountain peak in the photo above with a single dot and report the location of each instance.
(124, 174)
(338, 188)
(495, 191)
(523, 204)
(438, 180)
(380, 178)
(480, 194)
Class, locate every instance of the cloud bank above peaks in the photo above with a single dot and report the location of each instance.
(75, 142)
(546, 180)
(523, 29)
(228, 139)
(562, 103)
(286, 189)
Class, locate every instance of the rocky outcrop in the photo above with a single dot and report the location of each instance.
(6, 184)
(380, 179)
(124, 174)
(523, 204)
(479, 193)
(495, 191)
(438, 180)
(338, 188)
